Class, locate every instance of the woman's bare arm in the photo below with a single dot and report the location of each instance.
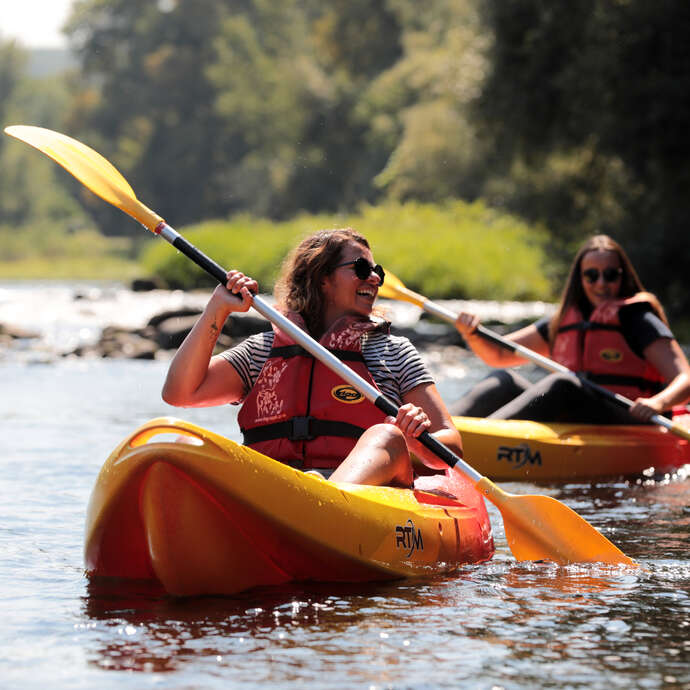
(493, 354)
(196, 378)
(666, 355)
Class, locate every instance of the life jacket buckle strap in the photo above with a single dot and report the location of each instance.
(301, 429)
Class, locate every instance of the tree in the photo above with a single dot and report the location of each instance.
(33, 191)
(148, 104)
(234, 105)
(421, 105)
(289, 77)
(588, 106)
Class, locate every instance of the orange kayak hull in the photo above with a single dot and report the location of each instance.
(199, 514)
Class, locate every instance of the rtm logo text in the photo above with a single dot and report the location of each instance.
(520, 455)
(409, 538)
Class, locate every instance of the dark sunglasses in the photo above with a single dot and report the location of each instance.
(363, 269)
(610, 275)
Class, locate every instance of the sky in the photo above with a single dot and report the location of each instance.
(35, 23)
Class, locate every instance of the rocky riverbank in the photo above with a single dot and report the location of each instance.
(44, 321)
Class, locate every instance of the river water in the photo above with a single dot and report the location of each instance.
(500, 624)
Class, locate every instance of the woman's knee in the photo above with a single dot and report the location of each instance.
(387, 437)
(509, 379)
(380, 456)
(495, 390)
(560, 385)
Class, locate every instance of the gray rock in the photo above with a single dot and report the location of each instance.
(17, 333)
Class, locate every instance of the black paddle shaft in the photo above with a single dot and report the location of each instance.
(199, 258)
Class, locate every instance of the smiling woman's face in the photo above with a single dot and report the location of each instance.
(601, 264)
(345, 293)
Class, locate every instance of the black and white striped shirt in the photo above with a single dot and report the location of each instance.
(394, 363)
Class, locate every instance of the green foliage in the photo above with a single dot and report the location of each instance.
(434, 158)
(33, 190)
(257, 246)
(587, 102)
(145, 103)
(13, 63)
(458, 250)
(454, 250)
(421, 106)
(572, 116)
(40, 250)
(261, 74)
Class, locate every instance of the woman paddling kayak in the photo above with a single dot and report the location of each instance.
(607, 328)
(296, 410)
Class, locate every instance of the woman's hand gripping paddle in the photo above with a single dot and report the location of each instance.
(394, 288)
(537, 527)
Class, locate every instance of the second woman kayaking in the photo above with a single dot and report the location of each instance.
(606, 328)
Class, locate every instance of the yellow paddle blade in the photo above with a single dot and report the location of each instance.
(89, 167)
(542, 528)
(393, 288)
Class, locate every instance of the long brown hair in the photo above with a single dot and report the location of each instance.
(298, 287)
(574, 294)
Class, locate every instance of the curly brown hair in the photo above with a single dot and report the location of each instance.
(574, 294)
(298, 287)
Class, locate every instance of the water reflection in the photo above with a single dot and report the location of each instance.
(501, 623)
(146, 630)
(618, 620)
(582, 620)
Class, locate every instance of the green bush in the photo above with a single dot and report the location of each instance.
(252, 245)
(454, 250)
(40, 250)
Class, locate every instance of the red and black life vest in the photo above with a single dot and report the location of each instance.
(302, 413)
(597, 348)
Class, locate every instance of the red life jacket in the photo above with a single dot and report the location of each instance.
(302, 413)
(598, 349)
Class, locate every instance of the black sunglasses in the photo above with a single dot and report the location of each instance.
(363, 269)
(610, 275)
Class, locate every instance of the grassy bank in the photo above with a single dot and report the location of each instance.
(46, 252)
(453, 250)
(109, 268)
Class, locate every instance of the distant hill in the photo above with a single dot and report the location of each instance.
(44, 62)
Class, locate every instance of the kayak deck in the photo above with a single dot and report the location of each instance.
(518, 450)
(201, 514)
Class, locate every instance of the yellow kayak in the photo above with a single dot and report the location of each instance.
(200, 514)
(516, 450)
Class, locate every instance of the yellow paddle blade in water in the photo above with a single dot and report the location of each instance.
(89, 167)
(542, 528)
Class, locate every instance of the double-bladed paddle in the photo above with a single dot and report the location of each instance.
(537, 527)
(394, 288)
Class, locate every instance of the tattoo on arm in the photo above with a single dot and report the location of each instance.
(214, 332)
